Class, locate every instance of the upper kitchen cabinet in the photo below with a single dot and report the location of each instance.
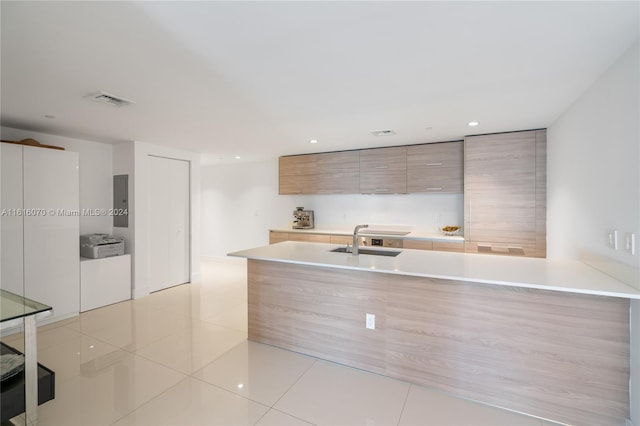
(505, 193)
(383, 170)
(435, 167)
(297, 174)
(338, 172)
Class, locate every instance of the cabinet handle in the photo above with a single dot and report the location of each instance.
(512, 250)
(381, 167)
(434, 164)
(434, 189)
(382, 189)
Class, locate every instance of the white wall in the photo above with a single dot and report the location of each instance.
(96, 185)
(593, 166)
(124, 164)
(594, 184)
(240, 203)
(132, 158)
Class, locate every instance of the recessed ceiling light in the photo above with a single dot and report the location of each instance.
(387, 132)
(473, 123)
(237, 157)
(313, 141)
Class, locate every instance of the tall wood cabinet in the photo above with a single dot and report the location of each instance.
(505, 193)
(40, 226)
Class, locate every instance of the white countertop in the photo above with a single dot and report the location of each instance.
(558, 275)
(412, 235)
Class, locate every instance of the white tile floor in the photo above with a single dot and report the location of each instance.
(181, 357)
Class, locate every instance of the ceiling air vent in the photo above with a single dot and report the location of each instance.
(387, 132)
(106, 98)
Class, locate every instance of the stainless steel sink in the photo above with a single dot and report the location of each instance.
(374, 252)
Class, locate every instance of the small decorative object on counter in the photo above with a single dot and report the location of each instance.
(450, 231)
(302, 219)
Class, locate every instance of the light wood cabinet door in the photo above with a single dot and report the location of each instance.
(278, 237)
(504, 193)
(341, 239)
(338, 173)
(297, 174)
(417, 244)
(383, 171)
(435, 167)
(457, 246)
(310, 238)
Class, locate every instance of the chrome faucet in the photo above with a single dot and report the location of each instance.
(355, 251)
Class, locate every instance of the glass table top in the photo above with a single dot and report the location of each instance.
(13, 306)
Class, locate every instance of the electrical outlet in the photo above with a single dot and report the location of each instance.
(370, 321)
(630, 243)
(612, 239)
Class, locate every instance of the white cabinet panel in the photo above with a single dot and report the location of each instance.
(51, 240)
(178, 216)
(11, 169)
(104, 281)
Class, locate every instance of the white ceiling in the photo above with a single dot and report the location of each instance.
(260, 79)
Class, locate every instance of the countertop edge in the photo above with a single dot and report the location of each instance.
(418, 236)
(631, 294)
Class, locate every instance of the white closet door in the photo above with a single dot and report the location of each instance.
(169, 212)
(51, 239)
(11, 271)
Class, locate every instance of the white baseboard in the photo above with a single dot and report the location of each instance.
(140, 292)
(51, 320)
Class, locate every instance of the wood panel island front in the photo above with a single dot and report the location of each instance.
(546, 338)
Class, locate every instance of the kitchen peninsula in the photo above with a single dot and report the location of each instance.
(547, 338)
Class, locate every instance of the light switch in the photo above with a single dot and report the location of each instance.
(612, 238)
(630, 243)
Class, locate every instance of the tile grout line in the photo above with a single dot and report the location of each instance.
(286, 414)
(404, 404)
(150, 400)
(315, 360)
